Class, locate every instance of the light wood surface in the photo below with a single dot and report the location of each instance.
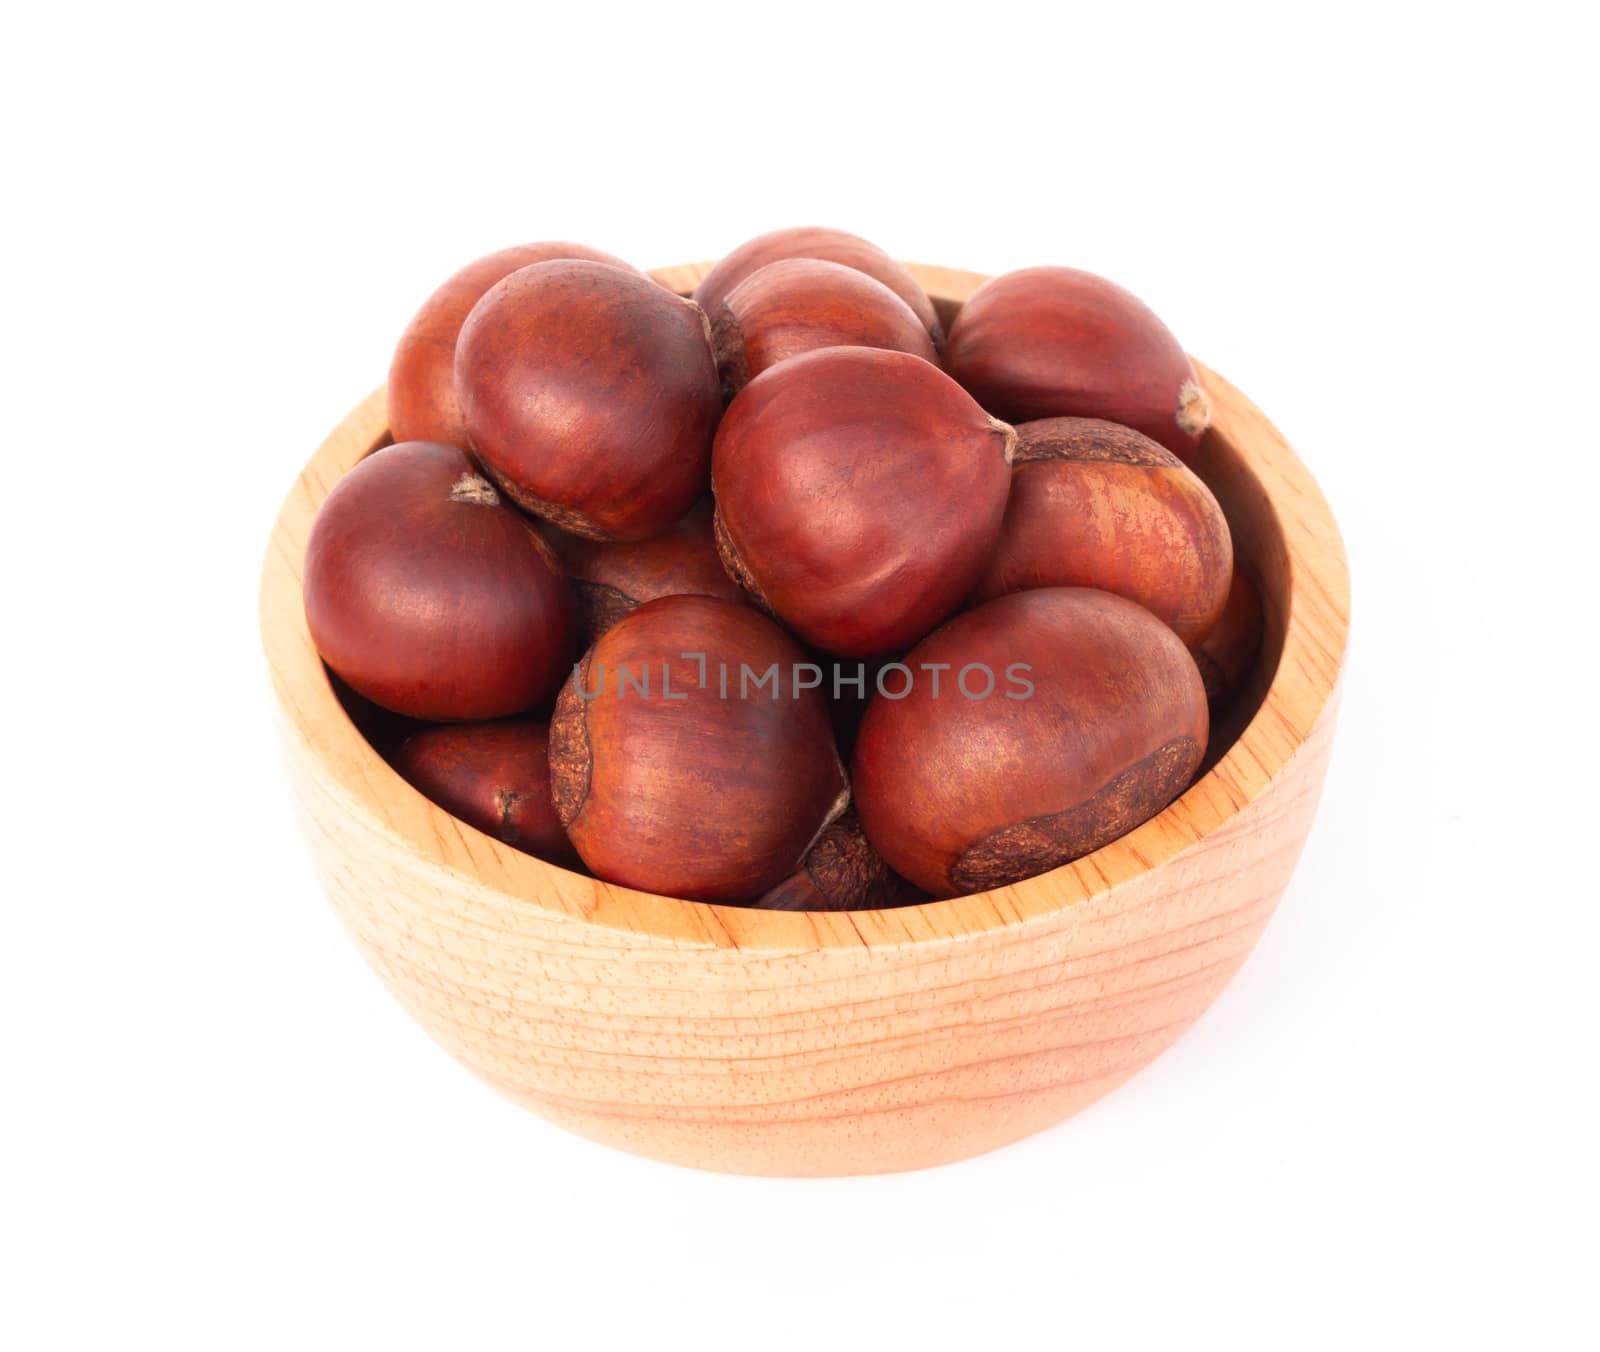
(779, 1043)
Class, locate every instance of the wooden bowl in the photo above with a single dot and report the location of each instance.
(767, 1042)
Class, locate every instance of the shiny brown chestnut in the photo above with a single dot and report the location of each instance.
(494, 776)
(1061, 719)
(841, 872)
(611, 578)
(429, 595)
(1227, 653)
(422, 375)
(832, 246)
(803, 304)
(590, 394)
(1057, 342)
(1095, 504)
(690, 753)
(859, 493)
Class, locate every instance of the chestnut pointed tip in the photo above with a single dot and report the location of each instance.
(1194, 409)
(705, 321)
(1008, 435)
(474, 488)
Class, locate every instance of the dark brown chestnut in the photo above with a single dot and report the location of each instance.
(1032, 730)
(802, 304)
(1230, 649)
(1095, 504)
(429, 595)
(422, 376)
(690, 754)
(859, 494)
(611, 578)
(494, 776)
(1057, 342)
(591, 395)
(832, 246)
(841, 872)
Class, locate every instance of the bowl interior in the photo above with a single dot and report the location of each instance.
(1283, 536)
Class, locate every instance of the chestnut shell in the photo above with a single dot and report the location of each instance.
(963, 794)
(612, 577)
(859, 493)
(683, 789)
(429, 595)
(1230, 649)
(422, 374)
(1095, 504)
(832, 246)
(841, 872)
(1059, 342)
(590, 395)
(494, 776)
(799, 305)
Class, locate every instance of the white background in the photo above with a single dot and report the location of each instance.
(218, 1131)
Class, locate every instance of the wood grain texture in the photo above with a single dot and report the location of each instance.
(773, 1042)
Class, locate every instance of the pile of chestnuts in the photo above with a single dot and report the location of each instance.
(779, 594)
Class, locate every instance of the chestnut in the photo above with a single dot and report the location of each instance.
(841, 872)
(494, 776)
(429, 595)
(1057, 342)
(422, 375)
(1032, 730)
(802, 304)
(859, 494)
(1227, 653)
(832, 246)
(690, 753)
(1095, 504)
(611, 578)
(590, 394)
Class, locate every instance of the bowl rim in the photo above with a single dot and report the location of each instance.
(1315, 630)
